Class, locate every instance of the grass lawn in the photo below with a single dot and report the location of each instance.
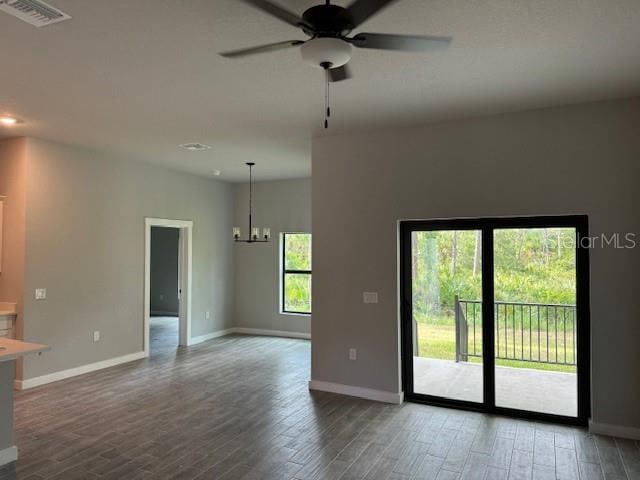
(438, 341)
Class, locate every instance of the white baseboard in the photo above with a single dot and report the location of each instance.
(271, 333)
(210, 336)
(160, 313)
(614, 430)
(248, 331)
(378, 395)
(8, 455)
(73, 372)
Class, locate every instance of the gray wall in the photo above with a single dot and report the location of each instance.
(284, 206)
(164, 271)
(572, 160)
(85, 244)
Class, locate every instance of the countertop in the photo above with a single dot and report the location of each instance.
(7, 309)
(12, 349)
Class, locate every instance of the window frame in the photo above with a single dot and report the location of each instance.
(284, 272)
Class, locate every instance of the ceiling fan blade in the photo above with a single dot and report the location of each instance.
(361, 10)
(278, 12)
(340, 73)
(270, 47)
(407, 43)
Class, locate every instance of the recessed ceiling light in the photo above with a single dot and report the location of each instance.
(217, 173)
(195, 147)
(9, 121)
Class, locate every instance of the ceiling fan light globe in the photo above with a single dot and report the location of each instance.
(326, 50)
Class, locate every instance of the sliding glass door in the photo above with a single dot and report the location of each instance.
(535, 319)
(495, 315)
(446, 265)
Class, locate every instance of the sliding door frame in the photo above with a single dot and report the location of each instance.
(487, 226)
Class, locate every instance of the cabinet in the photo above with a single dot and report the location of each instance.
(7, 319)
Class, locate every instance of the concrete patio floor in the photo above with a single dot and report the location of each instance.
(524, 389)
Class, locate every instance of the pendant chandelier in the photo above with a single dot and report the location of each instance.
(253, 235)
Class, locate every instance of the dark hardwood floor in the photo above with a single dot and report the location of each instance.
(163, 335)
(238, 408)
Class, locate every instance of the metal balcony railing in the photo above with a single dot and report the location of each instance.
(526, 332)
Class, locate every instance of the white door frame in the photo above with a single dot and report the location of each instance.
(184, 282)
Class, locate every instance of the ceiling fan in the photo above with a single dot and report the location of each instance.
(328, 27)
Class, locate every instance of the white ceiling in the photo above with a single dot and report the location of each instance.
(140, 77)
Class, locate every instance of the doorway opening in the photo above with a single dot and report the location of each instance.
(165, 287)
(495, 315)
(167, 320)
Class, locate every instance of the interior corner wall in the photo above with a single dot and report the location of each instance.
(582, 159)
(284, 206)
(13, 169)
(85, 227)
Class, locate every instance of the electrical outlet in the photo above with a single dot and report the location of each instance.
(353, 354)
(96, 336)
(41, 293)
(207, 315)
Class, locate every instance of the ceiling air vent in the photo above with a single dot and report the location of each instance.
(35, 12)
(195, 147)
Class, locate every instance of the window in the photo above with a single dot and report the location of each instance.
(296, 273)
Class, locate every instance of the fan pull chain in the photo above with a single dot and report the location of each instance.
(327, 99)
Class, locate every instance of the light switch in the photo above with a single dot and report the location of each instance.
(370, 297)
(41, 293)
(96, 336)
(353, 354)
